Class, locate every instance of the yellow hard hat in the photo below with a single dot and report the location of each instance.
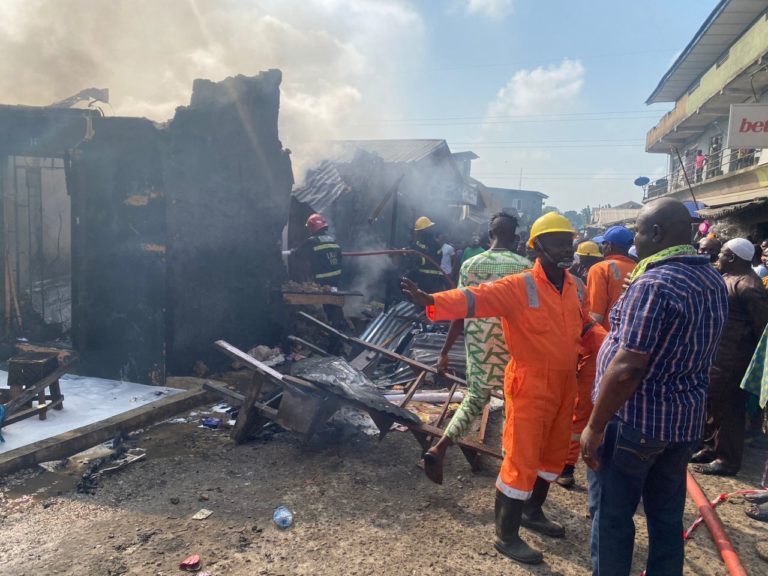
(422, 223)
(550, 222)
(588, 248)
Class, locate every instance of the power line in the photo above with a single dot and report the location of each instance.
(521, 120)
(582, 57)
(513, 116)
(557, 141)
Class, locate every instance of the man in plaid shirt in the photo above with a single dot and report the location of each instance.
(650, 393)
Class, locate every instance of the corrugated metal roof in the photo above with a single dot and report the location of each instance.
(322, 187)
(727, 22)
(395, 151)
(609, 216)
(715, 213)
(735, 197)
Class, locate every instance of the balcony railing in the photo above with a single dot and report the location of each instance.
(714, 165)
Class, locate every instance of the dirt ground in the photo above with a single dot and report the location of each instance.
(361, 507)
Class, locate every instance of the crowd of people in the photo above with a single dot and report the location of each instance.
(637, 351)
(640, 351)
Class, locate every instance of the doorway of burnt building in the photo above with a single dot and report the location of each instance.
(35, 249)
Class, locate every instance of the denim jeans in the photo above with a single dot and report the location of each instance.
(635, 466)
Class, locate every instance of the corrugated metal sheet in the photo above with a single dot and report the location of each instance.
(715, 213)
(395, 151)
(322, 188)
(610, 216)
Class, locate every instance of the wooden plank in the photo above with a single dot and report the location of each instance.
(85, 437)
(249, 419)
(429, 430)
(225, 392)
(484, 424)
(32, 391)
(313, 299)
(26, 413)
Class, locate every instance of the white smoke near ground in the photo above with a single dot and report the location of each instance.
(338, 58)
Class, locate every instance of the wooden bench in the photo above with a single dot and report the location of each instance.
(29, 374)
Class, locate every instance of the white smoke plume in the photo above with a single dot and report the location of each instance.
(337, 57)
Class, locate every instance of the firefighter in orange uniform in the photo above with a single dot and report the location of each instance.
(545, 319)
(605, 284)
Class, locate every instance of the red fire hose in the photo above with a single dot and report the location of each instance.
(404, 252)
(712, 520)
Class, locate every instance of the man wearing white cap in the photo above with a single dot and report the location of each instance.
(747, 318)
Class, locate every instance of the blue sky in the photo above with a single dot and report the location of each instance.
(553, 88)
(603, 56)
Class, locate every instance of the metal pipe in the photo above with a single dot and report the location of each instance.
(712, 520)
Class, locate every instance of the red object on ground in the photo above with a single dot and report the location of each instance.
(192, 563)
(712, 520)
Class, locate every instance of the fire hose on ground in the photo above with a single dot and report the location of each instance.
(708, 516)
(712, 520)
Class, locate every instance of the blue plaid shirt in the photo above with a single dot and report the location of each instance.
(674, 313)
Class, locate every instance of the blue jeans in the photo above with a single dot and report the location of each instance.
(635, 466)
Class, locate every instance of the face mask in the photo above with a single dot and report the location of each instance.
(562, 264)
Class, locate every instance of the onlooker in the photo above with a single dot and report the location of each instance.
(747, 319)
(605, 284)
(756, 382)
(447, 254)
(758, 261)
(698, 163)
(473, 249)
(650, 393)
(710, 246)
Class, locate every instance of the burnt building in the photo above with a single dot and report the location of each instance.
(372, 192)
(145, 242)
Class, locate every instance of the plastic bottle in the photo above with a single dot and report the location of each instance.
(283, 517)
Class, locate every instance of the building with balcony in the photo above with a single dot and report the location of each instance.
(725, 63)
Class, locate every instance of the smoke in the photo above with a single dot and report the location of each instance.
(338, 58)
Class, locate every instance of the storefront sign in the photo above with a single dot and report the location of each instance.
(748, 126)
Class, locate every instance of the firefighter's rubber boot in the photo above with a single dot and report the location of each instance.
(509, 513)
(533, 515)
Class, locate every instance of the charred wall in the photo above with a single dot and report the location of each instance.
(118, 242)
(175, 230)
(228, 183)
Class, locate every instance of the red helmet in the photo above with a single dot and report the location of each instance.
(315, 223)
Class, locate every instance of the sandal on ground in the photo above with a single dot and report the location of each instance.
(757, 512)
(757, 498)
(715, 468)
(432, 468)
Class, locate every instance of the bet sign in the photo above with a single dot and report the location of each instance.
(748, 126)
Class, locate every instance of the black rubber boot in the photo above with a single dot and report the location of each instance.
(509, 513)
(533, 515)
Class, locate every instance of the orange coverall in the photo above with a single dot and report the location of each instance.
(543, 331)
(605, 284)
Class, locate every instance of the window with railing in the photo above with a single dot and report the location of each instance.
(700, 167)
